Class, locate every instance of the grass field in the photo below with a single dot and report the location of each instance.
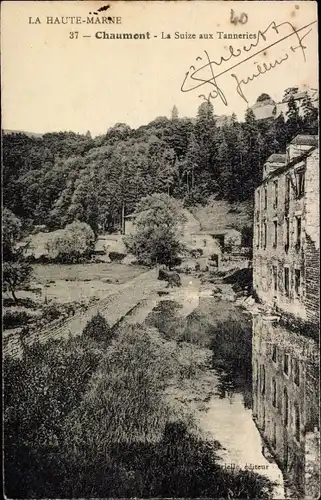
(77, 284)
(115, 273)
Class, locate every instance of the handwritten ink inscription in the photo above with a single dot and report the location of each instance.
(206, 75)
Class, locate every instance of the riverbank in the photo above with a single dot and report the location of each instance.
(186, 321)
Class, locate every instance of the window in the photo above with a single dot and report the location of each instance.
(287, 234)
(287, 281)
(287, 188)
(275, 234)
(297, 282)
(274, 352)
(265, 197)
(257, 235)
(298, 233)
(300, 182)
(286, 364)
(262, 379)
(296, 372)
(275, 278)
(275, 193)
(297, 422)
(264, 235)
(285, 407)
(274, 393)
(274, 436)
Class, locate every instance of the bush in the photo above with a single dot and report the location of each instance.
(95, 424)
(13, 319)
(72, 244)
(116, 256)
(97, 328)
(51, 312)
(196, 253)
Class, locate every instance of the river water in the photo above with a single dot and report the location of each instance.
(234, 408)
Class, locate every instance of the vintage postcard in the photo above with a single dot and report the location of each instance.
(160, 251)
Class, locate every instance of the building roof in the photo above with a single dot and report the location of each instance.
(216, 232)
(276, 158)
(288, 165)
(134, 214)
(301, 94)
(305, 140)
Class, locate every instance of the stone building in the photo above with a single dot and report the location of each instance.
(286, 232)
(286, 402)
(268, 108)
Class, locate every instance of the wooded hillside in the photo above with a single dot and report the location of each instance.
(59, 177)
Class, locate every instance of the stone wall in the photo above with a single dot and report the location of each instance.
(303, 258)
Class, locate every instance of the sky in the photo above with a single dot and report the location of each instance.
(51, 82)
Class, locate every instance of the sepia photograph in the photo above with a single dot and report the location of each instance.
(160, 249)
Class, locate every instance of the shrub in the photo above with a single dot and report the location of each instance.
(13, 319)
(116, 256)
(51, 312)
(97, 328)
(72, 244)
(39, 392)
(196, 253)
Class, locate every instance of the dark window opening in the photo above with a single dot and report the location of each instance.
(287, 191)
(300, 183)
(274, 350)
(275, 184)
(296, 370)
(286, 281)
(298, 233)
(264, 234)
(286, 364)
(275, 278)
(297, 282)
(297, 422)
(274, 393)
(262, 379)
(274, 436)
(285, 407)
(287, 234)
(275, 234)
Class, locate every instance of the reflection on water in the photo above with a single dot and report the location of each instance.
(286, 401)
(221, 326)
(264, 407)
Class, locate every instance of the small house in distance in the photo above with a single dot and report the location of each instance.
(226, 238)
(129, 222)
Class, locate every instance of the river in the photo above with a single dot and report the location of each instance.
(232, 410)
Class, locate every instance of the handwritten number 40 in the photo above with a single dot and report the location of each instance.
(242, 19)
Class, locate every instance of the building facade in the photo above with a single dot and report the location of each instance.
(286, 232)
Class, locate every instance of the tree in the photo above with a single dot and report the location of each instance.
(310, 116)
(263, 97)
(174, 115)
(294, 122)
(98, 329)
(16, 275)
(11, 233)
(158, 230)
(72, 243)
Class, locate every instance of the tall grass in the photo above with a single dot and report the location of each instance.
(84, 419)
